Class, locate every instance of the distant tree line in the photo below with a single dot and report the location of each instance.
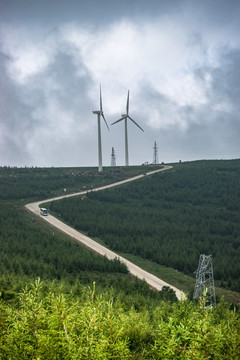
(42, 183)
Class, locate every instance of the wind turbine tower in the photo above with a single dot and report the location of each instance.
(155, 153)
(113, 158)
(125, 117)
(100, 114)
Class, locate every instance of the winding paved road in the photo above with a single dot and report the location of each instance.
(135, 270)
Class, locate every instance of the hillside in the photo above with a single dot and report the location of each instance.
(30, 249)
(28, 184)
(87, 306)
(169, 218)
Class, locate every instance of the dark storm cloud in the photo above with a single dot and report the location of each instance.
(14, 119)
(72, 83)
(61, 111)
(44, 116)
(179, 59)
(213, 128)
(90, 12)
(216, 129)
(226, 79)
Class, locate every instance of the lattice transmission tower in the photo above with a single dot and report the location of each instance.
(155, 153)
(113, 158)
(205, 281)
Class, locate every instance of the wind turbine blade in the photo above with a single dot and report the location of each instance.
(105, 121)
(100, 99)
(135, 123)
(122, 118)
(127, 108)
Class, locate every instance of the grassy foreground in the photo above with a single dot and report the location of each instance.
(49, 324)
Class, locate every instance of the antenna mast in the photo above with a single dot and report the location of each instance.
(113, 158)
(155, 153)
(205, 281)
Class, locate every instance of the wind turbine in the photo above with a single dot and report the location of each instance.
(125, 117)
(99, 114)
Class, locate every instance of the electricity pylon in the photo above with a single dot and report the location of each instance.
(205, 281)
(113, 158)
(155, 153)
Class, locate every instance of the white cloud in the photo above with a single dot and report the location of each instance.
(28, 62)
(125, 54)
(29, 56)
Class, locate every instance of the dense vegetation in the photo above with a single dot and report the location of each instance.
(30, 249)
(48, 323)
(170, 218)
(37, 252)
(66, 316)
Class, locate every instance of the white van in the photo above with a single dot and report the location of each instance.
(44, 212)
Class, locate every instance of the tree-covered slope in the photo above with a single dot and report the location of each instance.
(170, 218)
(66, 316)
(31, 249)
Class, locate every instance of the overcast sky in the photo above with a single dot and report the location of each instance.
(180, 59)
